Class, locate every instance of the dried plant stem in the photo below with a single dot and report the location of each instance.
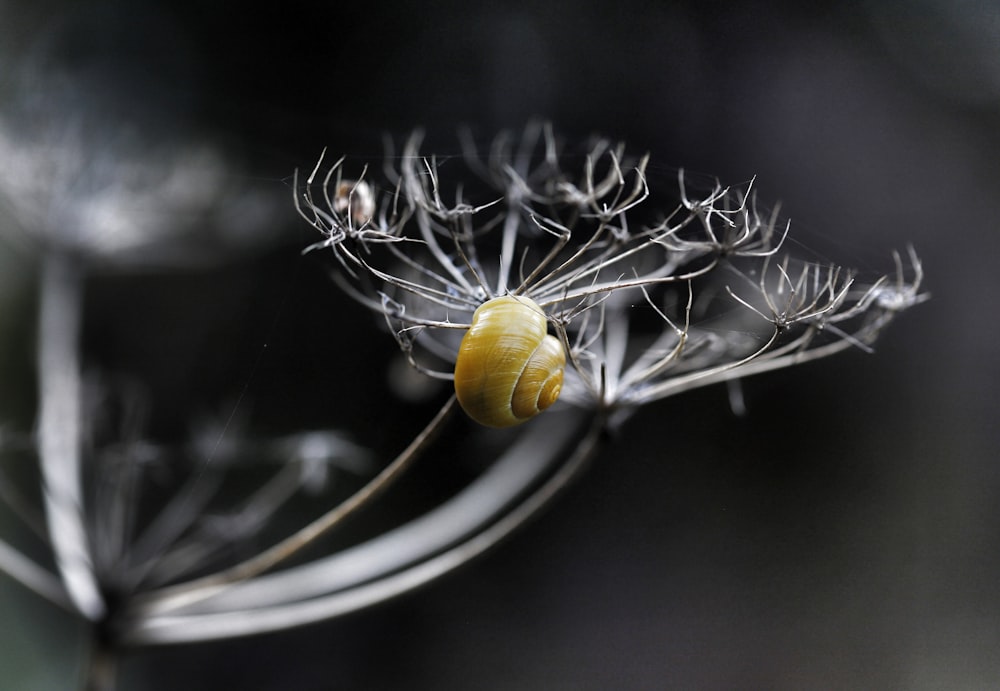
(521, 482)
(102, 665)
(192, 591)
(59, 427)
(34, 577)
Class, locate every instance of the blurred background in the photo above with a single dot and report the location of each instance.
(843, 533)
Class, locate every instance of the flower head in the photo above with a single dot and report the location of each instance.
(648, 299)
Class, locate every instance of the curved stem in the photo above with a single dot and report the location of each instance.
(192, 591)
(59, 431)
(398, 561)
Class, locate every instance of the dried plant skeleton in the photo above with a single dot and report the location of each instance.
(650, 291)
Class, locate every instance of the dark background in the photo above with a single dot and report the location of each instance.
(843, 534)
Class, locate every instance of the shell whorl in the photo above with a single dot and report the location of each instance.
(509, 368)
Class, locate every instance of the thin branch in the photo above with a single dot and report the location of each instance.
(192, 591)
(34, 577)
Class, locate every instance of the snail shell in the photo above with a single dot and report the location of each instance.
(508, 368)
(357, 198)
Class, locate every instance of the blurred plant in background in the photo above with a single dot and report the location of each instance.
(85, 192)
(651, 290)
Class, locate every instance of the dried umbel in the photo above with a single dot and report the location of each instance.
(599, 281)
(650, 291)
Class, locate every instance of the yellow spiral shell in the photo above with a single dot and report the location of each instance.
(508, 368)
